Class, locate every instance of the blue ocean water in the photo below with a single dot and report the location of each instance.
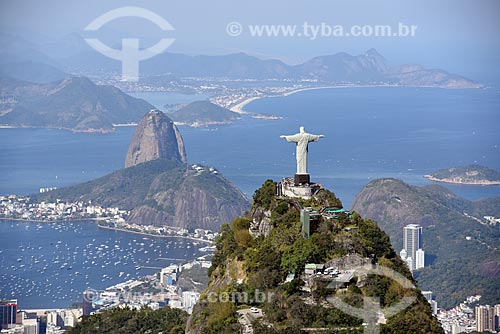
(369, 133)
(51, 264)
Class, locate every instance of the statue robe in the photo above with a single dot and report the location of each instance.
(302, 141)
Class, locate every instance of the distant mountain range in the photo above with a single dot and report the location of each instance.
(461, 247)
(75, 103)
(37, 91)
(370, 67)
(71, 54)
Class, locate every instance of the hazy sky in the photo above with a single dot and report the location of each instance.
(457, 35)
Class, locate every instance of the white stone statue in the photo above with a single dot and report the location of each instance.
(302, 140)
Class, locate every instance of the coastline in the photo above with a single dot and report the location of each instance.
(152, 235)
(124, 124)
(52, 221)
(202, 124)
(470, 183)
(96, 221)
(238, 108)
(101, 131)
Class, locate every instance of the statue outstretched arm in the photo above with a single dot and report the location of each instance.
(292, 138)
(315, 137)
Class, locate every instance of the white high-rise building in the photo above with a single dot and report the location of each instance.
(419, 258)
(412, 242)
(485, 318)
(189, 299)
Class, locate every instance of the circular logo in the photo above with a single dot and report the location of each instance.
(234, 29)
(91, 295)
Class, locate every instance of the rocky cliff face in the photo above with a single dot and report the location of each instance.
(196, 198)
(155, 137)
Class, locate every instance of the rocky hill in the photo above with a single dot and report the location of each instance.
(471, 174)
(203, 113)
(155, 137)
(265, 254)
(462, 251)
(370, 66)
(158, 187)
(75, 103)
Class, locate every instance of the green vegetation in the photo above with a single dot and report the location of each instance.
(200, 113)
(126, 188)
(127, 321)
(264, 197)
(462, 255)
(245, 264)
(161, 191)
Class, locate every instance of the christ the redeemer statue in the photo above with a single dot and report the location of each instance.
(302, 140)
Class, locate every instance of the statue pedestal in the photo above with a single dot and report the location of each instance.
(288, 188)
(301, 179)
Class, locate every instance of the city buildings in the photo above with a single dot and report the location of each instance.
(459, 319)
(485, 318)
(30, 322)
(414, 254)
(432, 302)
(8, 313)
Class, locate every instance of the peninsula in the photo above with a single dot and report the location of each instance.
(470, 174)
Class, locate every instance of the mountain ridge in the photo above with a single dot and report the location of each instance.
(457, 239)
(74, 103)
(341, 67)
(334, 68)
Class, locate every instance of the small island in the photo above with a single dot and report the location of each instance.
(470, 174)
(203, 113)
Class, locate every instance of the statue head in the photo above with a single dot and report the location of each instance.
(302, 129)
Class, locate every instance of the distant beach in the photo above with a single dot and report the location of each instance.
(238, 108)
(124, 124)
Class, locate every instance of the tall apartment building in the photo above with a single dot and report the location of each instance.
(485, 318)
(412, 244)
(8, 313)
